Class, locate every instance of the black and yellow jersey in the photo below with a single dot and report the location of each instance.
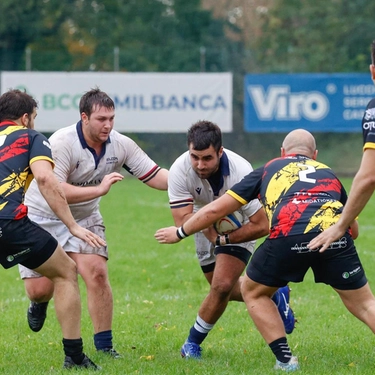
(368, 126)
(300, 195)
(19, 148)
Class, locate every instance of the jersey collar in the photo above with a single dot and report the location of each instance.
(217, 179)
(8, 122)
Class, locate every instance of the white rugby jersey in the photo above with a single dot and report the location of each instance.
(77, 164)
(186, 188)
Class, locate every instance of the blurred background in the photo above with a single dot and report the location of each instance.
(237, 36)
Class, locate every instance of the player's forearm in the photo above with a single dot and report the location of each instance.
(78, 194)
(248, 232)
(54, 195)
(360, 193)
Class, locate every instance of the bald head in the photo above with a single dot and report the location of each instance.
(301, 142)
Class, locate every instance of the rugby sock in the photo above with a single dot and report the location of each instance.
(73, 348)
(199, 331)
(103, 340)
(281, 350)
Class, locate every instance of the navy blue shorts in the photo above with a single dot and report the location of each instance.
(25, 242)
(278, 261)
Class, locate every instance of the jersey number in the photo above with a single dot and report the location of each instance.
(307, 170)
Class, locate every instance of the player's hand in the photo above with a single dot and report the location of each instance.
(324, 239)
(167, 235)
(108, 181)
(211, 234)
(84, 234)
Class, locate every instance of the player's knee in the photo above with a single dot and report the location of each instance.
(39, 289)
(222, 288)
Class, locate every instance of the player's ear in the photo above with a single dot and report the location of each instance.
(25, 120)
(84, 117)
(282, 151)
(315, 155)
(372, 70)
(220, 153)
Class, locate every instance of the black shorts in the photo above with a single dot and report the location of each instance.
(234, 250)
(25, 242)
(278, 261)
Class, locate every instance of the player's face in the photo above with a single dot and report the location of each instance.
(99, 125)
(205, 162)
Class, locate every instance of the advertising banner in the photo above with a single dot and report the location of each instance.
(315, 102)
(145, 102)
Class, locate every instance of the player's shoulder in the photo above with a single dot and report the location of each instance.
(233, 156)
(116, 138)
(34, 134)
(181, 169)
(369, 114)
(238, 165)
(66, 133)
(181, 161)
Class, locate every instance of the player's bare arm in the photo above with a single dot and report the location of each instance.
(360, 192)
(205, 217)
(182, 214)
(52, 192)
(160, 181)
(257, 227)
(78, 194)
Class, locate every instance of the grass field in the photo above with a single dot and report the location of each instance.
(157, 292)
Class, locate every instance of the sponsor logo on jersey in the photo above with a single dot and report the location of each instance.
(369, 114)
(46, 143)
(198, 190)
(112, 160)
(369, 125)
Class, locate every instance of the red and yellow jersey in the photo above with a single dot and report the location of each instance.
(19, 148)
(299, 195)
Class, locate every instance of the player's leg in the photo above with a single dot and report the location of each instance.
(92, 266)
(267, 319)
(352, 287)
(63, 273)
(262, 309)
(271, 267)
(94, 272)
(227, 271)
(361, 303)
(39, 290)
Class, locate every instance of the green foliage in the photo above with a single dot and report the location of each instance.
(78, 35)
(157, 293)
(316, 36)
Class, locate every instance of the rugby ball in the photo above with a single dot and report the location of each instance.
(229, 223)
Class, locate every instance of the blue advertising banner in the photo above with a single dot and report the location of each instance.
(316, 102)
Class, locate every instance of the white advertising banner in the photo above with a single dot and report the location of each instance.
(145, 102)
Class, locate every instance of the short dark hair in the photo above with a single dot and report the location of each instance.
(94, 97)
(15, 103)
(204, 134)
(373, 52)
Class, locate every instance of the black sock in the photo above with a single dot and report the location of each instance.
(281, 350)
(74, 348)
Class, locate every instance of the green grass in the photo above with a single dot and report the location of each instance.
(157, 293)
